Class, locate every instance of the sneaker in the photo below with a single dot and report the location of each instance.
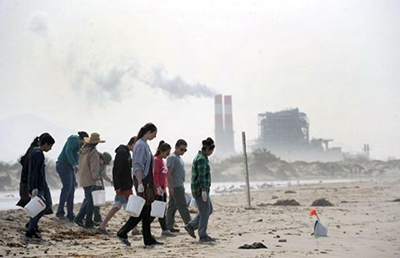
(97, 223)
(32, 235)
(174, 230)
(190, 230)
(37, 230)
(79, 223)
(124, 241)
(167, 233)
(101, 231)
(207, 239)
(154, 243)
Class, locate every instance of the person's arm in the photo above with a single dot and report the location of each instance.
(157, 172)
(103, 174)
(71, 148)
(117, 168)
(202, 170)
(170, 166)
(94, 159)
(34, 171)
(138, 165)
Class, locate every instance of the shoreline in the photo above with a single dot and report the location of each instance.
(364, 222)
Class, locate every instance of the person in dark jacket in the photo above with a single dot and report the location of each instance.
(37, 184)
(122, 179)
(23, 185)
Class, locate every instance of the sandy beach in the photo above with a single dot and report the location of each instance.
(364, 222)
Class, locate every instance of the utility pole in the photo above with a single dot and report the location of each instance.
(247, 168)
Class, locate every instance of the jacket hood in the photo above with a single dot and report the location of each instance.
(122, 147)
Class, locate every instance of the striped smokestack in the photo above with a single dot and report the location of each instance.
(229, 144)
(219, 120)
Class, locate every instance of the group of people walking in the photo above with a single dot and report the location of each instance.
(80, 161)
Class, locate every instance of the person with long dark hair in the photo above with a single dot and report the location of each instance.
(37, 184)
(23, 184)
(67, 167)
(160, 181)
(143, 165)
(122, 180)
(89, 178)
(201, 183)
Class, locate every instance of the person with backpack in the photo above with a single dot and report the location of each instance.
(67, 167)
(89, 178)
(37, 184)
(143, 165)
(201, 183)
(122, 180)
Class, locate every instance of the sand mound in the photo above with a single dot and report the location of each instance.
(321, 202)
(288, 202)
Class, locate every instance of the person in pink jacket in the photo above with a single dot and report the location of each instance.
(160, 180)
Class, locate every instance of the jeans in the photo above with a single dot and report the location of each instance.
(162, 221)
(35, 220)
(68, 179)
(177, 202)
(87, 207)
(200, 222)
(132, 222)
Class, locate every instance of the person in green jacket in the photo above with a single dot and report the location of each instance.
(67, 167)
(201, 183)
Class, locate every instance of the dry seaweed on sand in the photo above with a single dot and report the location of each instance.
(288, 202)
(321, 202)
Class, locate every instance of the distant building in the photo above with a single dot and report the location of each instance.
(286, 133)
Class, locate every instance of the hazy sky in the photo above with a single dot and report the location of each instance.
(111, 66)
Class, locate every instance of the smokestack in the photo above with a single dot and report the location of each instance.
(229, 145)
(219, 121)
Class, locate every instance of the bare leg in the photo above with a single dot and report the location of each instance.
(110, 214)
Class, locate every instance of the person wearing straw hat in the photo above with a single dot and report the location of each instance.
(89, 178)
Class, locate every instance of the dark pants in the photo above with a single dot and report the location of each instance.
(177, 202)
(87, 207)
(162, 221)
(132, 222)
(33, 222)
(68, 179)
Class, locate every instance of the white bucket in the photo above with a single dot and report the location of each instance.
(158, 209)
(99, 197)
(35, 206)
(320, 229)
(135, 205)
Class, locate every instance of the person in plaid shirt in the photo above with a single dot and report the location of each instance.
(201, 182)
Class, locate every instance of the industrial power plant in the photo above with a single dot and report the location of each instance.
(285, 133)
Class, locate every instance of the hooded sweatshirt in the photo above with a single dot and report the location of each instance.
(122, 170)
(89, 165)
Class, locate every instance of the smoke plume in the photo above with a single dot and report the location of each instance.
(177, 87)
